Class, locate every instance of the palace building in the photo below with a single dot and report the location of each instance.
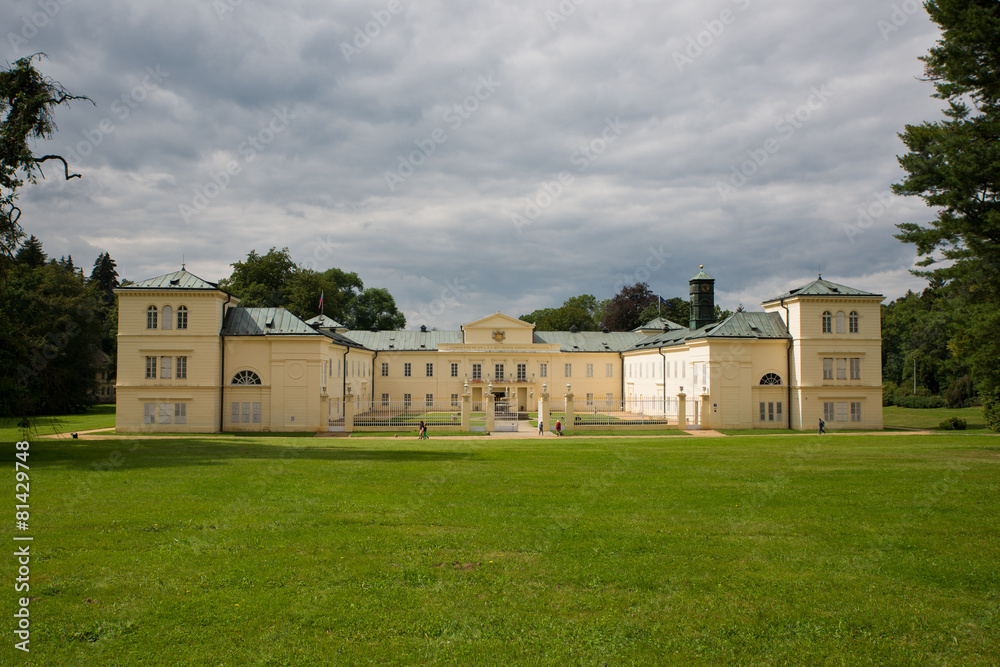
(191, 359)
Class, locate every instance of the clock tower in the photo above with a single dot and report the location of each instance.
(702, 300)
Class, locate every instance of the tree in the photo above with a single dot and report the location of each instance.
(338, 288)
(260, 280)
(104, 277)
(27, 102)
(582, 311)
(954, 166)
(624, 311)
(30, 253)
(376, 307)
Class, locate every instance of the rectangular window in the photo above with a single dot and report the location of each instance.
(454, 400)
(406, 400)
(609, 370)
(828, 412)
(477, 371)
(406, 369)
(385, 369)
(590, 400)
(454, 369)
(777, 412)
(856, 411)
(429, 401)
(429, 370)
(385, 399)
(166, 410)
(149, 413)
(855, 368)
(568, 370)
(543, 370)
(498, 371)
(256, 413)
(150, 367)
(842, 411)
(609, 398)
(841, 368)
(166, 364)
(828, 368)
(180, 413)
(522, 372)
(770, 411)
(590, 370)
(763, 411)
(182, 368)
(234, 417)
(182, 317)
(246, 413)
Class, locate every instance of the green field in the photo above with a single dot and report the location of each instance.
(290, 551)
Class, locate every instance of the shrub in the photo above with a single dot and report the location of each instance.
(961, 393)
(952, 424)
(920, 402)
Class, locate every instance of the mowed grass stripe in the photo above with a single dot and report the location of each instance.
(854, 549)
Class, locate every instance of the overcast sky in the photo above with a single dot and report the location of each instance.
(482, 156)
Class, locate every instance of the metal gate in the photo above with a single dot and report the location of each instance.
(477, 416)
(505, 415)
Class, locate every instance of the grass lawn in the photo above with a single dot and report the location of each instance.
(273, 551)
(97, 416)
(931, 418)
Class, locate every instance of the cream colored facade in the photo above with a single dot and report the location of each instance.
(222, 367)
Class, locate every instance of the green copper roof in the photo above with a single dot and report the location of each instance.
(657, 323)
(737, 325)
(264, 322)
(588, 341)
(702, 275)
(403, 340)
(324, 322)
(820, 287)
(176, 280)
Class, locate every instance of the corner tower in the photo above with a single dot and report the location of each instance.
(702, 295)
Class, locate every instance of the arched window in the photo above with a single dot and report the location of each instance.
(246, 377)
(853, 321)
(168, 318)
(770, 380)
(151, 317)
(841, 322)
(827, 322)
(182, 317)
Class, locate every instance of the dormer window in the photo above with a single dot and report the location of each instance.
(151, 317)
(852, 322)
(827, 321)
(182, 317)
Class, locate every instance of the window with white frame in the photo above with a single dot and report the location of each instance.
(842, 411)
(150, 368)
(454, 369)
(182, 317)
(568, 370)
(543, 370)
(590, 370)
(454, 400)
(609, 397)
(827, 321)
(770, 379)
(151, 317)
(852, 322)
(168, 318)
(498, 371)
(828, 368)
(180, 413)
(855, 368)
(385, 369)
(407, 399)
(429, 400)
(609, 370)
(149, 413)
(406, 369)
(829, 411)
(522, 372)
(385, 399)
(855, 411)
(429, 370)
(477, 371)
(182, 368)
(246, 378)
(841, 368)
(590, 400)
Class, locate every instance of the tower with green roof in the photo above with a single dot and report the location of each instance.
(702, 299)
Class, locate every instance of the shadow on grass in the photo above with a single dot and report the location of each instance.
(165, 453)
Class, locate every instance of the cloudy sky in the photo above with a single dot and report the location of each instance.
(481, 156)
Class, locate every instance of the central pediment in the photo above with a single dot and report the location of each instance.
(498, 329)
